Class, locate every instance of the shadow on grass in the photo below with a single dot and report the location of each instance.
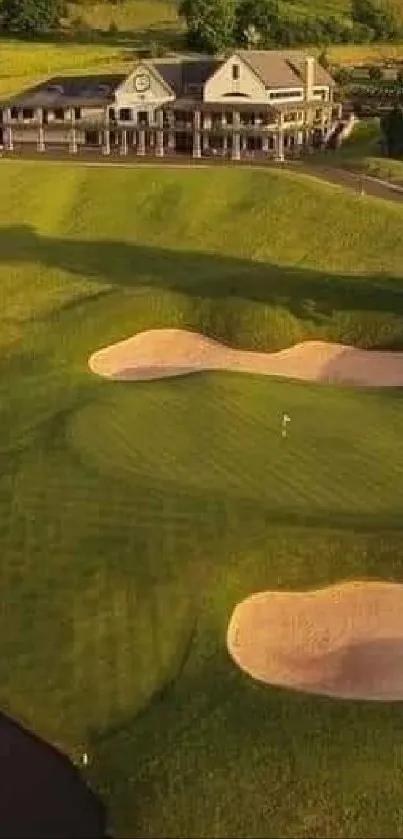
(308, 295)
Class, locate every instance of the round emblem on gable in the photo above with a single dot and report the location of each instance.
(142, 82)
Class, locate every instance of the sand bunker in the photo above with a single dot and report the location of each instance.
(159, 353)
(344, 641)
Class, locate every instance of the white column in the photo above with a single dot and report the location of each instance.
(265, 143)
(280, 138)
(41, 137)
(171, 133)
(9, 131)
(196, 133)
(73, 135)
(106, 148)
(205, 136)
(123, 146)
(141, 150)
(236, 150)
(159, 145)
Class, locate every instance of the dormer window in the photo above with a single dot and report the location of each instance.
(235, 72)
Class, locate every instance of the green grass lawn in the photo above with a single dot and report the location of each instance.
(134, 517)
(361, 152)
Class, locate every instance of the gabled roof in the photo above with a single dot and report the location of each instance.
(296, 58)
(271, 68)
(282, 68)
(155, 70)
(178, 75)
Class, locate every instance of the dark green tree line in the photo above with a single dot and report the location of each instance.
(29, 17)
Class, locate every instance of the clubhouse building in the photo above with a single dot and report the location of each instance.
(251, 103)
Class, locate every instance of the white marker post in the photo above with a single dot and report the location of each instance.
(85, 759)
(284, 420)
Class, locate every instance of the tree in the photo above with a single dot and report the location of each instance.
(379, 15)
(262, 15)
(392, 130)
(210, 23)
(375, 73)
(342, 76)
(31, 16)
(323, 59)
(252, 36)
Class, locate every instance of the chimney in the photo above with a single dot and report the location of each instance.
(309, 76)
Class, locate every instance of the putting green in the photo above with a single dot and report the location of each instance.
(220, 433)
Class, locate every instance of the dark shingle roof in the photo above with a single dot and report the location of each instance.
(193, 71)
(41, 791)
(62, 91)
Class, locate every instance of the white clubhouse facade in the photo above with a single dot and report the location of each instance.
(251, 103)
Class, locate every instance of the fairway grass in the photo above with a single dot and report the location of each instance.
(133, 518)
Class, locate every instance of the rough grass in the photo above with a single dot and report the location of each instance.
(361, 153)
(134, 517)
(128, 15)
(23, 64)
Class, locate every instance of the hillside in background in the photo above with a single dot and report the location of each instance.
(154, 26)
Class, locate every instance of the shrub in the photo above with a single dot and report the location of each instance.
(113, 28)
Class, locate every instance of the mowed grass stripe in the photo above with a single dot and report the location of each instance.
(144, 435)
(131, 515)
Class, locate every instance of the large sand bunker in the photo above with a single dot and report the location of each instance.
(344, 641)
(159, 353)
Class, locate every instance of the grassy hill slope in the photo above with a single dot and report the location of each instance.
(134, 517)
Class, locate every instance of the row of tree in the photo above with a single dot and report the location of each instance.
(214, 25)
(31, 16)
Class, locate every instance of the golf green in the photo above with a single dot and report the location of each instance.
(135, 516)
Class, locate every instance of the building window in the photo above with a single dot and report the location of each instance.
(235, 72)
(27, 113)
(125, 114)
(142, 118)
(285, 94)
(318, 114)
(59, 113)
(14, 113)
(77, 113)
